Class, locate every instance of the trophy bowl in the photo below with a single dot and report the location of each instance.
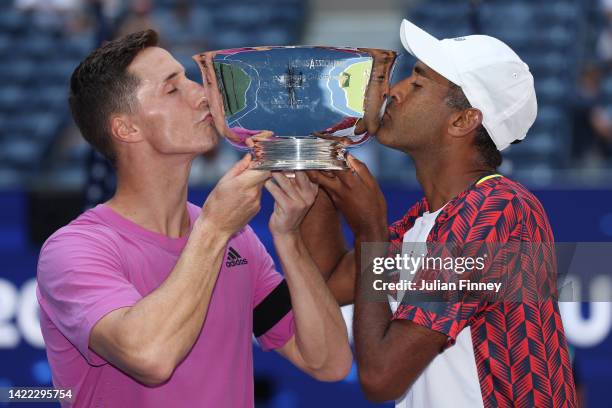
(317, 101)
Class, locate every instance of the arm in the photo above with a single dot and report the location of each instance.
(322, 234)
(149, 339)
(320, 345)
(390, 354)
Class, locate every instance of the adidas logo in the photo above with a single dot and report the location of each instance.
(234, 258)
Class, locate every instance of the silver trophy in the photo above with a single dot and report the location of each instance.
(317, 101)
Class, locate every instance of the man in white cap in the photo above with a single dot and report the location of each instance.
(467, 99)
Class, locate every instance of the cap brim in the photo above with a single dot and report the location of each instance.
(429, 50)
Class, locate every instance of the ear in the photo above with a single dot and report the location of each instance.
(124, 130)
(462, 123)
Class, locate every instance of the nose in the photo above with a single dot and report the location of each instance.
(399, 90)
(395, 93)
(202, 102)
(198, 95)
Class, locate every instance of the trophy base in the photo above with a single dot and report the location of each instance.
(299, 153)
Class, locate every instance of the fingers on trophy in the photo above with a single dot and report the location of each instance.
(293, 92)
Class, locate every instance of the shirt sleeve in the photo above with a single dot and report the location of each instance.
(267, 279)
(446, 318)
(447, 310)
(80, 280)
(490, 234)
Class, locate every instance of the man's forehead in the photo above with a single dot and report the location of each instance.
(425, 71)
(155, 64)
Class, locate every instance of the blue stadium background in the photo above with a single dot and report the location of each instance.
(48, 175)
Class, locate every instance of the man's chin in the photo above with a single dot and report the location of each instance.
(209, 147)
(389, 140)
(384, 137)
(210, 140)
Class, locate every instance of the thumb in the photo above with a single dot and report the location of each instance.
(239, 167)
(357, 166)
(362, 171)
(252, 177)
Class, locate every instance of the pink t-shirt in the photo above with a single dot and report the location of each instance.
(102, 261)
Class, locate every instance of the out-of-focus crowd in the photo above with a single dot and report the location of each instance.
(187, 27)
(590, 104)
(183, 30)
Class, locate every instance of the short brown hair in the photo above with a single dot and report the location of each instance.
(101, 86)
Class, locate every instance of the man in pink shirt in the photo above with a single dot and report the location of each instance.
(150, 301)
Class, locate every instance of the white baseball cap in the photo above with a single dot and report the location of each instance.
(493, 78)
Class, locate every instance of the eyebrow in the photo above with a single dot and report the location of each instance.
(419, 70)
(173, 75)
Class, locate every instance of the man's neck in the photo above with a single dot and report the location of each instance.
(154, 195)
(443, 178)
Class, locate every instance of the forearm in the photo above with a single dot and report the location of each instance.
(322, 234)
(168, 320)
(371, 322)
(371, 316)
(390, 355)
(321, 335)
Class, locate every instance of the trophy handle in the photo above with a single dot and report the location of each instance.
(377, 90)
(374, 104)
(236, 136)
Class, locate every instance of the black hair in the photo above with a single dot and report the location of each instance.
(489, 155)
